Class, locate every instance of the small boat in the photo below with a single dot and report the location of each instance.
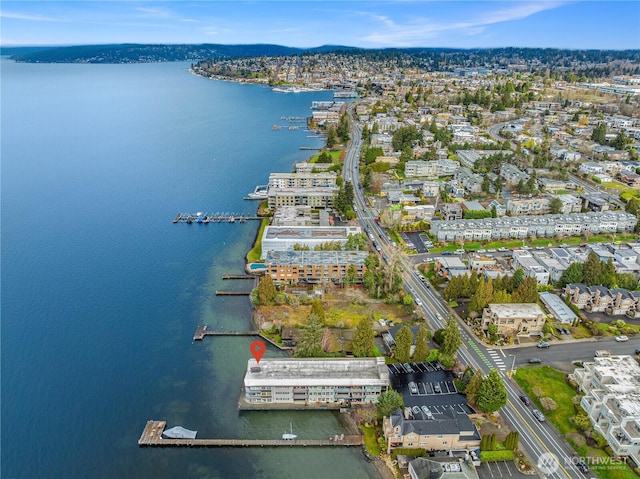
(289, 436)
(179, 432)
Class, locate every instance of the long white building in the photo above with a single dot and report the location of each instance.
(315, 380)
(540, 226)
(284, 238)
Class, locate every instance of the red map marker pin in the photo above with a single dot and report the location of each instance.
(257, 349)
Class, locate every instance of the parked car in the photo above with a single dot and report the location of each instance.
(543, 344)
(409, 369)
(535, 361)
(437, 388)
(637, 350)
(622, 338)
(538, 415)
(416, 410)
(566, 331)
(413, 388)
(525, 400)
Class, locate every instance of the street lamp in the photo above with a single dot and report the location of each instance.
(513, 363)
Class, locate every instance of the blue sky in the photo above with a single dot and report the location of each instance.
(309, 23)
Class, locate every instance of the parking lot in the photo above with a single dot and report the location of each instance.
(498, 470)
(427, 384)
(418, 241)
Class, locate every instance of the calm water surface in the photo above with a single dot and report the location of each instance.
(101, 293)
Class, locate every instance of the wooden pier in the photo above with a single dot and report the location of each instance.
(205, 218)
(152, 436)
(222, 292)
(202, 331)
(238, 276)
(310, 148)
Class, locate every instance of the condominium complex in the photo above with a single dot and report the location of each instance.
(527, 226)
(315, 266)
(317, 196)
(284, 238)
(611, 385)
(312, 380)
(431, 169)
(302, 180)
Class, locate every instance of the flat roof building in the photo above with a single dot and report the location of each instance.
(558, 308)
(521, 319)
(283, 238)
(315, 380)
(315, 266)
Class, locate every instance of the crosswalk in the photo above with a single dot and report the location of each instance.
(497, 358)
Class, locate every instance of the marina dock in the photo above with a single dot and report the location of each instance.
(214, 218)
(222, 292)
(152, 436)
(238, 276)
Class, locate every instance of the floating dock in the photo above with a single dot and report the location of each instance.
(310, 148)
(222, 292)
(152, 437)
(238, 276)
(214, 218)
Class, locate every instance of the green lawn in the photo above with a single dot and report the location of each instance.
(551, 381)
(253, 255)
(492, 456)
(370, 440)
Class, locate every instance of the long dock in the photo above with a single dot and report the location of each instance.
(238, 276)
(214, 218)
(202, 331)
(152, 436)
(222, 292)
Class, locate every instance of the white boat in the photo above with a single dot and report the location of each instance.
(289, 436)
(260, 193)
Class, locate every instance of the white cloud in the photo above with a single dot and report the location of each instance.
(416, 31)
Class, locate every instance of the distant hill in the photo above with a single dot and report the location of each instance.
(434, 58)
(139, 53)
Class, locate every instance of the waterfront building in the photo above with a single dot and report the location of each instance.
(281, 238)
(311, 381)
(315, 266)
(300, 216)
(449, 430)
(302, 180)
(611, 387)
(317, 197)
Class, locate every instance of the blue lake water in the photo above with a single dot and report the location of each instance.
(101, 292)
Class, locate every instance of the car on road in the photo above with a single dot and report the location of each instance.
(525, 400)
(492, 250)
(582, 467)
(535, 361)
(418, 302)
(502, 250)
(439, 316)
(538, 415)
(637, 350)
(543, 344)
(482, 250)
(622, 338)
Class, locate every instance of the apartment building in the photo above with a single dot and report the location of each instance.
(611, 385)
(530, 265)
(317, 197)
(521, 319)
(616, 301)
(315, 381)
(315, 266)
(302, 180)
(283, 238)
(528, 206)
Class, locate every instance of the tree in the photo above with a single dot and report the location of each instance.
(548, 404)
(483, 296)
(362, 344)
(310, 346)
(608, 275)
(473, 388)
(527, 292)
(331, 137)
(516, 279)
(492, 394)
(351, 276)
(573, 274)
(317, 309)
(599, 134)
(356, 242)
(388, 402)
(556, 206)
(512, 440)
(451, 340)
(266, 290)
(422, 349)
(592, 270)
(404, 340)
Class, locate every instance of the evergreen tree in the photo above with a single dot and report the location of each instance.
(310, 346)
(556, 206)
(512, 440)
(516, 279)
(422, 349)
(451, 340)
(331, 137)
(388, 402)
(592, 270)
(404, 340)
(483, 296)
(351, 276)
(473, 388)
(608, 276)
(317, 309)
(492, 394)
(527, 292)
(599, 134)
(362, 344)
(501, 297)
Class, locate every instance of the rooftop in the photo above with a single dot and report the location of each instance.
(317, 372)
(324, 233)
(517, 310)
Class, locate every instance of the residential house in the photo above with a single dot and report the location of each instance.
(512, 174)
(622, 302)
(570, 204)
(601, 299)
(471, 181)
(530, 266)
(450, 266)
(579, 294)
(451, 211)
(528, 206)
